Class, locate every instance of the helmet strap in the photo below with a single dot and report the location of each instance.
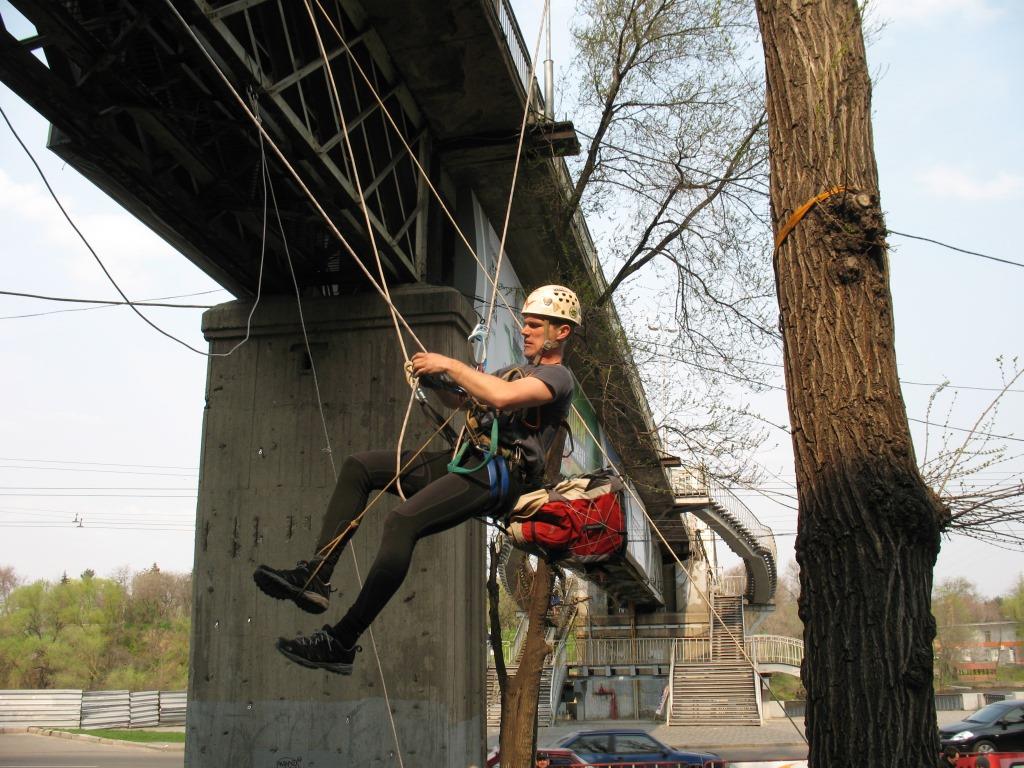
(549, 344)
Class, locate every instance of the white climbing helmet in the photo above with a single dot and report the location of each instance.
(554, 301)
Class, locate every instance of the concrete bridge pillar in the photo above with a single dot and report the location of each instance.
(265, 481)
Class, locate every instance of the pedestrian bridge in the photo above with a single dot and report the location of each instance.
(770, 653)
(700, 494)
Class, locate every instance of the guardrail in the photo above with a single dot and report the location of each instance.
(517, 640)
(775, 649)
(763, 649)
(731, 586)
(517, 47)
(622, 651)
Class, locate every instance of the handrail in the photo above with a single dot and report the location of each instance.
(762, 649)
(516, 46)
(696, 481)
(775, 649)
(517, 640)
(559, 671)
(671, 686)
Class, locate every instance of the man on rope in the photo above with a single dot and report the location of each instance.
(514, 415)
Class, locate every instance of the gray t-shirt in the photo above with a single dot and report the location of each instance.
(534, 429)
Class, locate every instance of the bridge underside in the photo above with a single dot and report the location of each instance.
(138, 108)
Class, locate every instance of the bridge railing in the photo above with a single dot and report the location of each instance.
(763, 649)
(695, 481)
(517, 47)
(775, 649)
(621, 651)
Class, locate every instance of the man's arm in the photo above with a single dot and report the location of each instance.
(490, 390)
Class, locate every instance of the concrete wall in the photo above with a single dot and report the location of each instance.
(265, 481)
(617, 698)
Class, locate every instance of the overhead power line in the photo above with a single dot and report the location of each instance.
(954, 248)
(962, 429)
(97, 471)
(95, 463)
(102, 303)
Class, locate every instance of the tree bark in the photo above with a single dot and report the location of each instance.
(517, 740)
(868, 530)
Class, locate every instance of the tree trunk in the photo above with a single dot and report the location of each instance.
(517, 740)
(868, 530)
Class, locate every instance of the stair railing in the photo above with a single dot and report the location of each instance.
(517, 641)
(671, 685)
(559, 672)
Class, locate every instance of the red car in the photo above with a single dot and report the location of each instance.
(556, 755)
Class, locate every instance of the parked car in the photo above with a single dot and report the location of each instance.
(557, 756)
(634, 747)
(998, 727)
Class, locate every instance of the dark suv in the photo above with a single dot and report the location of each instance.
(999, 727)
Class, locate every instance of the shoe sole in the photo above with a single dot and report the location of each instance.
(274, 586)
(338, 668)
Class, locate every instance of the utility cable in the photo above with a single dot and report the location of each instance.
(99, 261)
(954, 248)
(102, 266)
(143, 303)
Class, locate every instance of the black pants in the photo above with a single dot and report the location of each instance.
(436, 501)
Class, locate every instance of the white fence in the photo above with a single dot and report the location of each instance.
(91, 709)
(62, 709)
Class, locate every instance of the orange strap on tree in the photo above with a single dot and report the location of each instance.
(800, 212)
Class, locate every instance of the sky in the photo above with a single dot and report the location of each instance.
(102, 416)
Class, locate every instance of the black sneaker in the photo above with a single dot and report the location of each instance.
(310, 594)
(320, 650)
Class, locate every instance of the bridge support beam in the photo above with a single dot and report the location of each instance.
(265, 481)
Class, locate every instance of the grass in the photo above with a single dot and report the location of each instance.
(146, 737)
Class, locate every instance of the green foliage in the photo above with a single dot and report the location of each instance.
(1013, 602)
(787, 688)
(785, 619)
(94, 633)
(145, 737)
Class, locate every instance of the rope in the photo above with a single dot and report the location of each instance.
(689, 575)
(800, 212)
(290, 168)
(132, 304)
(412, 155)
(515, 170)
(794, 220)
(340, 114)
(330, 546)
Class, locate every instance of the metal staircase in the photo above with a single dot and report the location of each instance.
(544, 714)
(716, 685)
(700, 494)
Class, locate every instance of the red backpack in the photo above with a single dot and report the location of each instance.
(577, 522)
